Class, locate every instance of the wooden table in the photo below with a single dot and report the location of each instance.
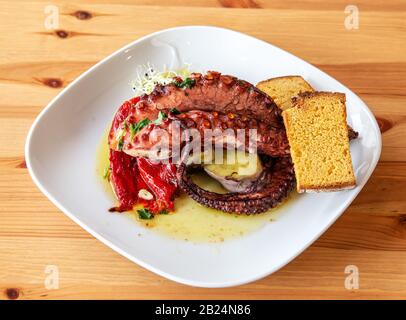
(36, 63)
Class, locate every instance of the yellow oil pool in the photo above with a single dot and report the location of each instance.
(191, 221)
(102, 165)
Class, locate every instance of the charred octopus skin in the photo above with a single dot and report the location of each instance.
(274, 184)
(211, 101)
(216, 101)
(215, 92)
(268, 140)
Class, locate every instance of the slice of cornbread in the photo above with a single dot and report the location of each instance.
(282, 89)
(317, 131)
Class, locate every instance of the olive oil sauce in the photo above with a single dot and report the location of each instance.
(191, 221)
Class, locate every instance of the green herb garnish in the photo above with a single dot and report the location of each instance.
(136, 127)
(161, 117)
(164, 211)
(139, 125)
(188, 83)
(120, 138)
(145, 214)
(132, 129)
(106, 173)
(120, 143)
(174, 111)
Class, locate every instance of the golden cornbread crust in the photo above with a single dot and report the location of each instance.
(300, 98)
(317, 131)
(282, 89)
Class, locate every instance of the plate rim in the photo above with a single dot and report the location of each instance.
(152, 268)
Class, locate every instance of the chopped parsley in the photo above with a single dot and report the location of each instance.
(174, 111)
(164, 211)
(120, 143)
(161, 117)
(132, 129)
(145, 214)
(187, 83)
(106, 173)
(138, 126)
(120, 137)
(141, 124)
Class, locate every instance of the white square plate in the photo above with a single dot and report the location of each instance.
(62, 143)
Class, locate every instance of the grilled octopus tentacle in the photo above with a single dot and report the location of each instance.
(214, 101)
(274, 184)
(215, 93)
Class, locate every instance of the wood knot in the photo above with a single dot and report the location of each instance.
(12, 293)
(402, 220)
(384, 124)
(22, 164)
(52, 82)
(82, 15)
(240, 4)
(62, 34)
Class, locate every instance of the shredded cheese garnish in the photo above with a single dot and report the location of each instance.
(148, 77)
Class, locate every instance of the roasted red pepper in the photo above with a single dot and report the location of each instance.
(125, 179)
(161, 180)
(129, 175)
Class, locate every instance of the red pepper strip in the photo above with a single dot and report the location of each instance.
(129, 174)
(160, 178)
(126, 181)
(123, 181)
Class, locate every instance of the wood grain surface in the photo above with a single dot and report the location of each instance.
(36, 63)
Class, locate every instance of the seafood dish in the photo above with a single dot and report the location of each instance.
(159, 139)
